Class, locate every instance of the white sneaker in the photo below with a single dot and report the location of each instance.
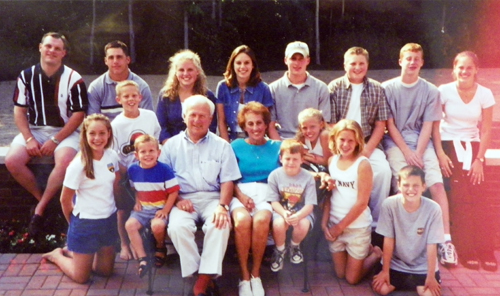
(447, 254)
(244, 288)
(257, 288)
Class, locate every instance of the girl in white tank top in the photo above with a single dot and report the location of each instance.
(346, 220)
(314, 136)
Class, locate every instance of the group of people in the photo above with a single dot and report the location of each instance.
(295, 153)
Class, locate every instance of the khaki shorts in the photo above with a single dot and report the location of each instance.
(432, 171)
(356, 241)
(43, 133)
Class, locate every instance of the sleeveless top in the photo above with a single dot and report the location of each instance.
(345, 194)
(318, 150)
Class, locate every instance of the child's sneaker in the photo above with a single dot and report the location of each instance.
(296, 256)
(277, 260)
(447, 254)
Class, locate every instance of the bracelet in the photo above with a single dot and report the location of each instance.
(53, 139)
(29, 139)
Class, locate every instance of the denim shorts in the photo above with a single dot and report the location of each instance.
(87, 236)
(145, 216)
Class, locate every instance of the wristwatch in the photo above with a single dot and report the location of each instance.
(481, 159)
(224, 206)
(53, 139)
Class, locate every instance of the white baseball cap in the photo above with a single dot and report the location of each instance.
(296, 47)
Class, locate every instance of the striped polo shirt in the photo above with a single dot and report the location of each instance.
(50, 100)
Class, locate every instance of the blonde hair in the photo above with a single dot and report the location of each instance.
(291, 146)
(356, 50)
(346, 125)
(306, 114)
(171, 87)
(125, 83)
(86, 154)
(413, 47)
(145, 139)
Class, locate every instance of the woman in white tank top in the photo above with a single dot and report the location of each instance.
(346, 220)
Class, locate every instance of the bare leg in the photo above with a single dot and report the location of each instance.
(339, 262)
(104, 261)
(77, 268)
(279, 231)
(356, 269)
(259, 239)
(133, 226)
(16, 162)
(62, 158)
(243, 236)
(125, 252)
(439, 195)
(300, 230)
(158, 227)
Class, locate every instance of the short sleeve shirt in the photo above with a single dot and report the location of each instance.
(289, 101)
(410, 108)
(412, 232)
(200, 166)
(293, 192)
(94, 197)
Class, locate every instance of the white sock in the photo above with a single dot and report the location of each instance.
(447, 237)
(280, 248)
(294, 244)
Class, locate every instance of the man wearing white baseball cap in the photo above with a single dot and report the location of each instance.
(296, 91)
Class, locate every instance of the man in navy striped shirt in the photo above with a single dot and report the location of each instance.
(50, 101)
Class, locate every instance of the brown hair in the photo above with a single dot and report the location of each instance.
(87, 156)
(230, 74)
(291, 146)
(346, 125)
(411, 170)
(116, 44)
(171, 87)
(256, 108)
(57, 36)
(468, 54)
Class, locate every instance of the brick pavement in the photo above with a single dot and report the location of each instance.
(28, 274)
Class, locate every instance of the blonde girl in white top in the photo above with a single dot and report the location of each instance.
(313, 134)
(346, 220)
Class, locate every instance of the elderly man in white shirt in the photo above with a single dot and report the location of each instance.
(205, 166)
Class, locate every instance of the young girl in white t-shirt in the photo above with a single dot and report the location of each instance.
(347, 220)
(92, 176)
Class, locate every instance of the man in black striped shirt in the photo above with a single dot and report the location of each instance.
(50, 101)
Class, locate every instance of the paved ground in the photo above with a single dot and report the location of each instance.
(28, 274)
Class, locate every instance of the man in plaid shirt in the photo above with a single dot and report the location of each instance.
(357, 97)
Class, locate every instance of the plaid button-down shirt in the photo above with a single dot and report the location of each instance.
(373, 102)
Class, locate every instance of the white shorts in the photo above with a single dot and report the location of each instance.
(356, 241)
(43, 134)
(257, 192)
(432, 171)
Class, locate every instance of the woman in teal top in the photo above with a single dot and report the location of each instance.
(257, 158)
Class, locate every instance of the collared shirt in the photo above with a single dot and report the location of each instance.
(373, 103)
(50, 100)
(102, 95)
(202, 166)
(230, 98)
(169, 114)
(289, 101)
